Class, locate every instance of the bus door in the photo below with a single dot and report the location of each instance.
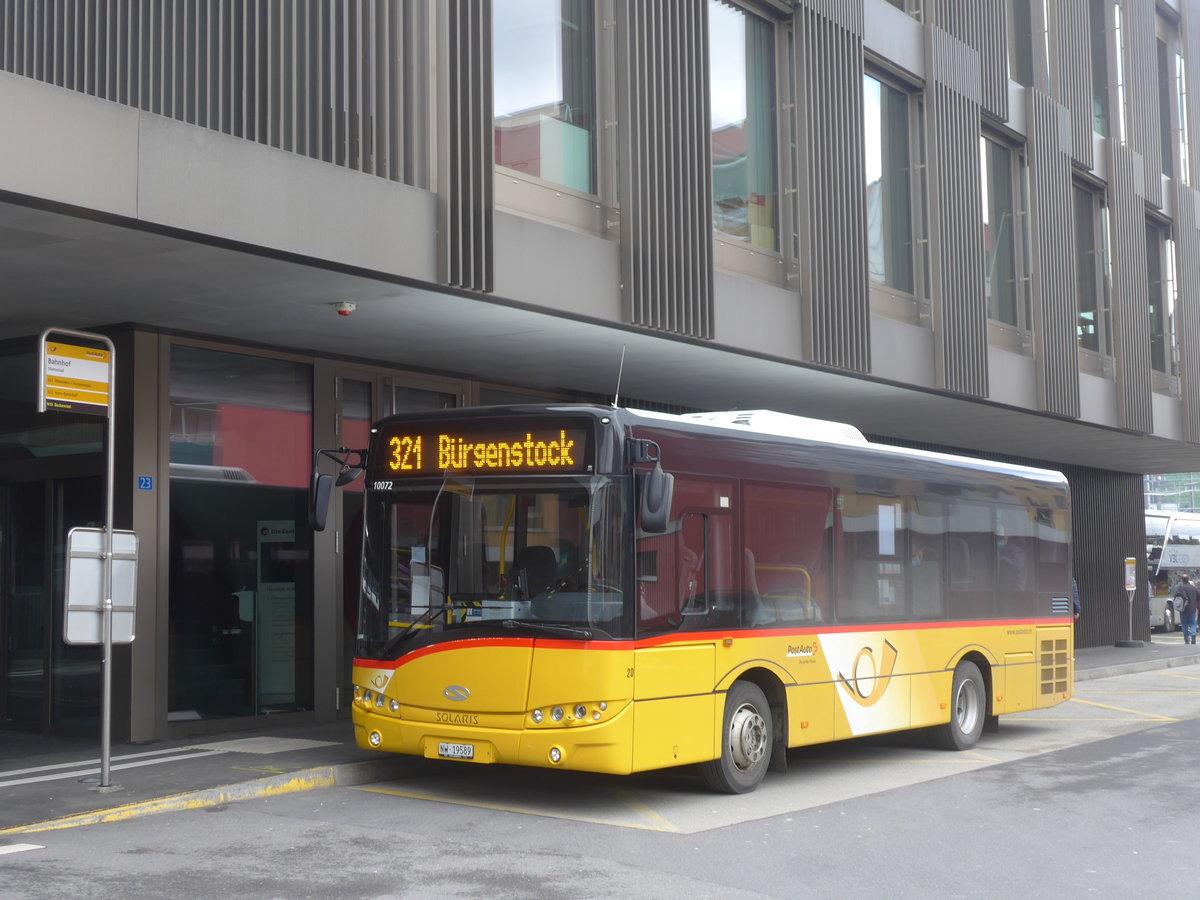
(676, 651)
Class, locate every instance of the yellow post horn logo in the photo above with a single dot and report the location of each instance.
(878, 678)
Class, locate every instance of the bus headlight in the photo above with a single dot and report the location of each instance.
(556, 714)
(537, 716)
(580, 711)
(394, 706)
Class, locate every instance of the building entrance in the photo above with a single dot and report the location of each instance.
(48, 686)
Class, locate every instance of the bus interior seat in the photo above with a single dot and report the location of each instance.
(540, 566)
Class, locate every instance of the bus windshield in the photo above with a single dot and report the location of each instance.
(441, 558)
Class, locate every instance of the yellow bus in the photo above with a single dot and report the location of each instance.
(611, 590)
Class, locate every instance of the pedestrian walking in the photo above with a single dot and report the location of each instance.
(1186, 599)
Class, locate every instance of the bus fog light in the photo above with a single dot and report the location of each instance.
(556, 754)
(580, 711)
(394, 706)
(556, 714)
(537, 716)
(603, 706)
(375, 739)
(596, 715)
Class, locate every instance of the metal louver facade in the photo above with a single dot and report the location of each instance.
(1131, 293)
(1074, 46)
(466, 182)
(1141, 91)
(342, 82)
(665, 190)
(982, 26)
(956, 209)
(833, 221)
(1187, 204)
(1054, 288)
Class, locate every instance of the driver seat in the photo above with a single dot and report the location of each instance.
(541, 568)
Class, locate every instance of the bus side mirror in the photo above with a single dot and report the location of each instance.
(318, 500)
(657, 490)
(347, 475)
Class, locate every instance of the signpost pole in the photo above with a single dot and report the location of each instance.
(60, 388)
(1130, 589)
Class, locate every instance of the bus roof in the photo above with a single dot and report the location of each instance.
(768, 423)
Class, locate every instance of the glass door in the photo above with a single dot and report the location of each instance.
(23, 572)
(48, 685)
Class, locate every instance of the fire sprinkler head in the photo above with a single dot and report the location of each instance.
(344, 307)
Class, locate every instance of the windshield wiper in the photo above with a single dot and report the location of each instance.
(569, 630)
(413, 627)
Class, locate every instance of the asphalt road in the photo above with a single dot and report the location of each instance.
(1086, 798)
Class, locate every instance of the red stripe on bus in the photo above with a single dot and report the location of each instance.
(683, 637)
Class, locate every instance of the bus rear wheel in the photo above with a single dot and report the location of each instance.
(968, 710)
(747, 736)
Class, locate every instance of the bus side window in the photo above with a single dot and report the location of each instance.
(785, 559)
(926, 569)
(971, 547)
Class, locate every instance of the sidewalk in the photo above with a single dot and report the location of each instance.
(50, 783)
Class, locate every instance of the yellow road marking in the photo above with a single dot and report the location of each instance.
(199, 800)
(647, 813)
(1132, 712)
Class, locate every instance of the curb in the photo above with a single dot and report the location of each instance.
(1130, 668)
(345, 775)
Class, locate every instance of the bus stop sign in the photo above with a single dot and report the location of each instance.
(83, 622)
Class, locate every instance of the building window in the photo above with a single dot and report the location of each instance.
(1092, 272)
(1119, 36)
(742, 105)
(544, 90)
(889, 185)
(1096, 19)
(1003, 235)
(1172, 102)
(1160, 273)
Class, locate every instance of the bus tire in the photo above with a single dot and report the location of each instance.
(747, 737)
(968, 710)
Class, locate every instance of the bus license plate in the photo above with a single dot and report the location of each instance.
(456, 751)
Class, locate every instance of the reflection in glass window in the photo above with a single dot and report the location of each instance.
(889, 192)
(544, 90)
(742, 103)
(1092, 271)
(1160, 269)
(999, 227)
(240, 557)
(1096, 10)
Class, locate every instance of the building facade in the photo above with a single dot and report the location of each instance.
(960, 224)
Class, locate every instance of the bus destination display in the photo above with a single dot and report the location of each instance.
(431, 450)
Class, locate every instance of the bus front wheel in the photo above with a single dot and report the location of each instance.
(747, 736)
(968, 710)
